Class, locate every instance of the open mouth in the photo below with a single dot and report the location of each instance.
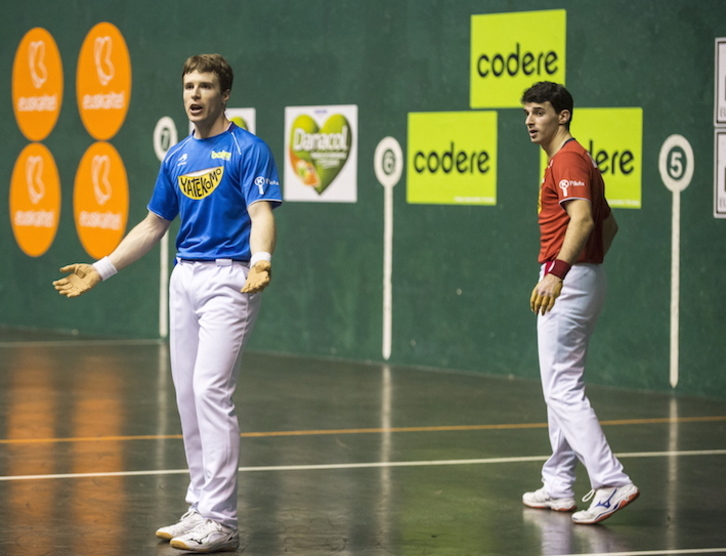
(195, 109)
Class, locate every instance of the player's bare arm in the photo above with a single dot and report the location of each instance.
(581, 224)
(83, 277)
(262, 240)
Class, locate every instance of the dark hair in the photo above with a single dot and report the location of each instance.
(213, 63)
(555, 94)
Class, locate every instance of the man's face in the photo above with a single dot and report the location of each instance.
(204, 101)
(543, 122)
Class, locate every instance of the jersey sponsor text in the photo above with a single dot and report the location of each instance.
(198, 185)
(224, 155)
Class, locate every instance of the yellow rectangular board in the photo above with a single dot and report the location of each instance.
(512, 51)
(452, 158)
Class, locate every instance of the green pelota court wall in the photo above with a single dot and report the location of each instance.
(462, 271)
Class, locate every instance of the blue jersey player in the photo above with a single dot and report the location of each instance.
(223, 184)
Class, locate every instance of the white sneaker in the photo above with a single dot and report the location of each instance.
(186, 523)
(605, 502)
(540, 499)
(209, 536)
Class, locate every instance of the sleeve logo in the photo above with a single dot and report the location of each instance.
(566, 184)
(261, 182)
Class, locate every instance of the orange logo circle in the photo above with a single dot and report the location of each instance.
(100, 199)
(37, 84)
(35, 200)
(103, 81)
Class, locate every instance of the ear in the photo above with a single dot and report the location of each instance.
(226, 94)
(564, 117)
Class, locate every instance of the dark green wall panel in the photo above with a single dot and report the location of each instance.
(462, 274)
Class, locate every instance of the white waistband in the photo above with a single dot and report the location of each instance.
(218, 262)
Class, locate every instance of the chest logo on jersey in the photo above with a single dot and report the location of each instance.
(199, 185)
(224, 155)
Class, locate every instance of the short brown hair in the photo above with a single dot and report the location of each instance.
(213, 63)
(554, 93)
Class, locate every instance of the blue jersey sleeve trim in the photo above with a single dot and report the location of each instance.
(152, 211)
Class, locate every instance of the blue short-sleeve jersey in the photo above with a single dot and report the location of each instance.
(210, 183)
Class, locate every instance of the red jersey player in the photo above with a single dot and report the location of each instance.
(576, 229)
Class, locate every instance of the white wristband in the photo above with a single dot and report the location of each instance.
(260, 256)
(105, 268)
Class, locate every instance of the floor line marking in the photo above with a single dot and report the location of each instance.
(655, 552)
(509, 426)
(90, 439)
(364, 465)
(75, 343)
(443, 428)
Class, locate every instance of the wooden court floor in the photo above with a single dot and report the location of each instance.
(337, 457)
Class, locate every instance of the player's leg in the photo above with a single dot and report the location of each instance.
(183, 346)
(226, 321)
(558, 476)
(183, 337)
(558, 472)
(566, 331)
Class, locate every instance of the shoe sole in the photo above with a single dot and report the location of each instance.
(224, 548)
(165, 536)
(603, 517)
(168, 536)
(546, 507)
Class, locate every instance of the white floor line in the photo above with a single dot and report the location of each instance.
(368, 465)
(672, 453)
(655, 552)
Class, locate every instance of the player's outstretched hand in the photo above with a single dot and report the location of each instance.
(258, 278)
(81, 278)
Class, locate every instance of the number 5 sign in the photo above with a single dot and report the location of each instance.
(676, 170)
(676, 163)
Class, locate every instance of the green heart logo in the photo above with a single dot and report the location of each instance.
(319, 154)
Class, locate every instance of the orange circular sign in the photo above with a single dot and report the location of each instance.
(100, 200)
(103, 81)
(35, 200)
(37, 84)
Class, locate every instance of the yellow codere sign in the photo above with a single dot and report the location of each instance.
(614, 139)
(511, 51)
(452, 158)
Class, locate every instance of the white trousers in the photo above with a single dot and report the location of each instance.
(210, 323)
(563, 336)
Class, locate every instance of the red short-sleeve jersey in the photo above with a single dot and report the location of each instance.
(571, 174)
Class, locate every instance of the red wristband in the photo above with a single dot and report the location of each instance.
(558, 267)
